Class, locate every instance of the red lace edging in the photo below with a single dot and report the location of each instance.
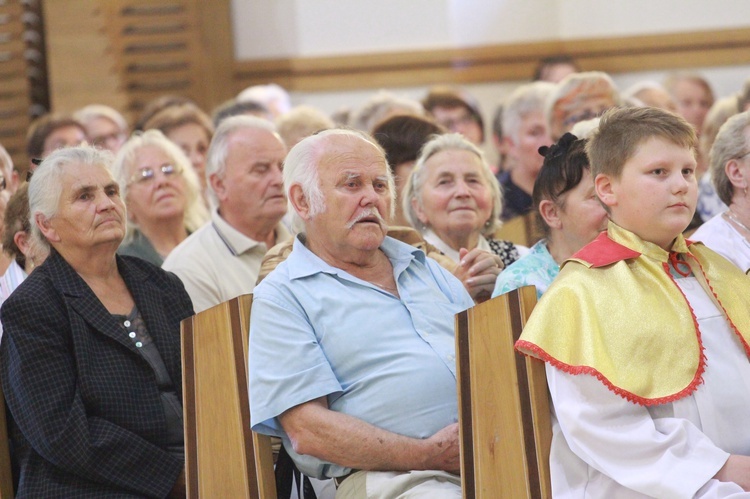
(532, 350)
(729, 319)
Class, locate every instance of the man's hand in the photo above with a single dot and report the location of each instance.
(737, 470)
(444, 451)
(478, 271)
(338, 438)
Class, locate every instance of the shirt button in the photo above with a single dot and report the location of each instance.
(127, 323)
(132, 334)
(138, 344)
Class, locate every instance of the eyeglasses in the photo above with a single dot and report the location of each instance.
(147, 174)
(582, 116)
(453, 123)
(742, 155)
(110, 138)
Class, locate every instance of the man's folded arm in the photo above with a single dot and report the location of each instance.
(315, 430)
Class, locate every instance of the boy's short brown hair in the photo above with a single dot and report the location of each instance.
(621, 131)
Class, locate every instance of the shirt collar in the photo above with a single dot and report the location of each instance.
(237, 242)
(302, 262)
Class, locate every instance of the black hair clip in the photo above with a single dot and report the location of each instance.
(559, 148)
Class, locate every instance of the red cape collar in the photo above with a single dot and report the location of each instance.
(604, 251)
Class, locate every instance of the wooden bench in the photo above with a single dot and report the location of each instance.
(504, 413)
(223, 457)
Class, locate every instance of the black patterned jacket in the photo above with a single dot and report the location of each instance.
(86, 417)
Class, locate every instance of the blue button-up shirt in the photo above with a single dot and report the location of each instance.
(316, 330)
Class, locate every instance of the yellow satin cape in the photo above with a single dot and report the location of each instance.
(615, 312)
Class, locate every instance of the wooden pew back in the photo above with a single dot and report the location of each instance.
(504, 416)
(223, 457)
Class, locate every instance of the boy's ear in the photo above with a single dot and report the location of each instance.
(550, 212)
(603, 184)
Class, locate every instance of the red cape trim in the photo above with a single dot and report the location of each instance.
(604, 251)
(532, 350)
(726, 314)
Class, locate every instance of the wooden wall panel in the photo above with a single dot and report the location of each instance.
(497, 62)
(125, 52)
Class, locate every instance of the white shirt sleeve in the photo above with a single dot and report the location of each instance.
(621, 447)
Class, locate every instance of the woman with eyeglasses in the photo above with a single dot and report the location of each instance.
(162, 193)
(90, 356)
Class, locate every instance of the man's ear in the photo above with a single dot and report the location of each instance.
(299, 201)
(736, 174)
(45, 227)
(550, 212)
(603, 184)
(217, 185)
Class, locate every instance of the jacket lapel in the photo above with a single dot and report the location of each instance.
(149, 299)
(83, 300)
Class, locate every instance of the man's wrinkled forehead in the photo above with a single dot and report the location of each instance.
(350, 155)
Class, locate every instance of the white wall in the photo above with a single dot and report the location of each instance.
(307, 28)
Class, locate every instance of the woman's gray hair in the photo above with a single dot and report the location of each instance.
(45, 187)
(6, 165)
(380, 106)
(301, 166)
(89, 113)
(416, 180)
(578, 87)
(216, 158)
(730, 143)
(196, 213)
(525, 100)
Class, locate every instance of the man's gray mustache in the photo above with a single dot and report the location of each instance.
(372, 212)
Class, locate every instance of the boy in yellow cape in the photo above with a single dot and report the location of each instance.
(646, 336)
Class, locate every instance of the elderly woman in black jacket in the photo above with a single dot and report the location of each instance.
(90, 358)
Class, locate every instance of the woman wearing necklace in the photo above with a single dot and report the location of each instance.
(729, 232)
(90, 357)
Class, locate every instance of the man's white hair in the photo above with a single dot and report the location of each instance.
(302, 163)
(216, 158)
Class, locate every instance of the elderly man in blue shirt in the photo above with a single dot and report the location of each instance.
(351, 338)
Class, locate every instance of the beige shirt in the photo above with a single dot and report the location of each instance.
(217, 262)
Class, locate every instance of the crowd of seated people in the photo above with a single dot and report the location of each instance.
(360, 241)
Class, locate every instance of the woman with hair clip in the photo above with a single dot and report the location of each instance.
(568, 213)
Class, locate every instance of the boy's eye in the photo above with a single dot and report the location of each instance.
(658, 171)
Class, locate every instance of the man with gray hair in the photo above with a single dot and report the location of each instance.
(352, 351)
(525, 130)
(221, 260)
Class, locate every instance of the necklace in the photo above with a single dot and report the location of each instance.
(731, 216)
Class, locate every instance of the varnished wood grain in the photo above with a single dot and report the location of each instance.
(503, 404)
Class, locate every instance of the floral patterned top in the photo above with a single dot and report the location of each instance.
(536, 268)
